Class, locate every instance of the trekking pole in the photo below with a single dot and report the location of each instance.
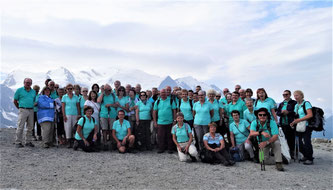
(296, 151)
(56, 128)
(262, 159)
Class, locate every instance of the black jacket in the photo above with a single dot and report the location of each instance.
(290, 108)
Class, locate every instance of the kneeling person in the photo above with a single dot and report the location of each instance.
(121, 132)
(182, 137)
(267, 133)
(86, 133)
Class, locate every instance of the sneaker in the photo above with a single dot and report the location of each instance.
(308, 162)
(76, 145)
(160, 151)
(19, 145)
(29, 144)
(231, 162)
(279, 166)
(39, 138)
(34, 138)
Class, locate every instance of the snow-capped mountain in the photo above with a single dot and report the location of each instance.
(85, 78)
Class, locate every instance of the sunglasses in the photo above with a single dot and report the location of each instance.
(69, 88)
(218, 96)
(262, 115)
(285, 94)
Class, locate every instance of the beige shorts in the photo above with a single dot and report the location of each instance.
(106, 123)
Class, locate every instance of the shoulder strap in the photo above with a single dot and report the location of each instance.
(304, 109)
(256, 102)
(84, 121)
(241, 131)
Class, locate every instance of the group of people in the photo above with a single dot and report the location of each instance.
(199, 125)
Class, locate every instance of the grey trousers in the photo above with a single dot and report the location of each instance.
(47, 132)
(200, 131)
(276, 148)
(24, 116)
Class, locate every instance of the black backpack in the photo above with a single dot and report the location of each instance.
(317, 121)
(84, 121)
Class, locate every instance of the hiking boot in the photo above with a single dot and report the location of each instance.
(34, 138)
(231, 162)
(70, 143)
(170, 151)
(19, 145)
(308, 162)
(303, 159)
(131, 150)
(39, 138)
(160, 151)
(46, 145)
(76, 145)
(279, 166)
(29, 144)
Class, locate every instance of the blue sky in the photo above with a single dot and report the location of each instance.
(273, 44)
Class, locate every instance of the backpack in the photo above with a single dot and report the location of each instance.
(317, 121)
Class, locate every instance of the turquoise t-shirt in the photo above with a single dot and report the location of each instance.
(267, 103)
(105, 113)
(272, 124)
(186, 109)
(25, 99)
(202, 113)
(82, 101)
(240, 132)
(89, 125)
(240, 106)
(299, 109)
(165, 111)
(121, 130)
(213, 140)
(70, 104)
(248, 116)
(123, 101)
(36, 101)
(224, 101)
(284, 118)
(54, 95)
(144, 110)
(181, 133)
(216, 107)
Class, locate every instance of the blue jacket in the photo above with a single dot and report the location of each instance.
(45, 109)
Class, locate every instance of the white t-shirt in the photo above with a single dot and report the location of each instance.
(96, 107)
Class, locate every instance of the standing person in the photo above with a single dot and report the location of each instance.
(185, 106)
(215, 148)
(202, 112)
(143, 117)
(302, 114)
(236, 104)
(77, 90)
(287, 115)
(128, 88)
(92, 102)
(240, 135)
(137, 90)
(229, 98)
(121, 133)
(108, 113)
(224, 99)
(132, 100)
(190, 95)
(39, 131)
(95, 87)
(218, 109)
(45, 116)
(60, 117)
(71, 112)
(267, 133)
(83, 98)
(218, 97)
(249, 112)
(54, 94)
(242, 94)
(56, 87)
(195, 97)
(122, 101)
(263, 101)
(237, 87)
(86, 132)
(154, 94)
(197, 88)
(47, 82)
(117, 84)
(24, 98)
(163, 116)
(182, 137)
(249, 94)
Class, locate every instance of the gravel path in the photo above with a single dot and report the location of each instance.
(62, 168)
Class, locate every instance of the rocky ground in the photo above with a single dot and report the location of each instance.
(62, 168)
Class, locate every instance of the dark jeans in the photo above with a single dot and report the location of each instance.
(60, 126)
(305, 145)
(290, 137)
(164, 137)
(221, 156)
(142, 134)
(224, 129)
(39, 131)
(91, 147)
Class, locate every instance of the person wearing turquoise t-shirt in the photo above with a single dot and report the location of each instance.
(186, 106)
(249, 112)
(240, 135)
(305, 144)
(121, 133)
(267, 133)
(182, 137)
(202, 112)
(143, 111)
(163, 116)
(83, 98)
(86, 133)
(107, 113)
(71, 112)
(54, 94)
(263, 101)
(24, 99)
(235, 104)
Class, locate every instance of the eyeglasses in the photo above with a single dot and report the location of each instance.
(285, 94)
(218, 96)
(85, 91)
(69, 88)
(262, 115)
